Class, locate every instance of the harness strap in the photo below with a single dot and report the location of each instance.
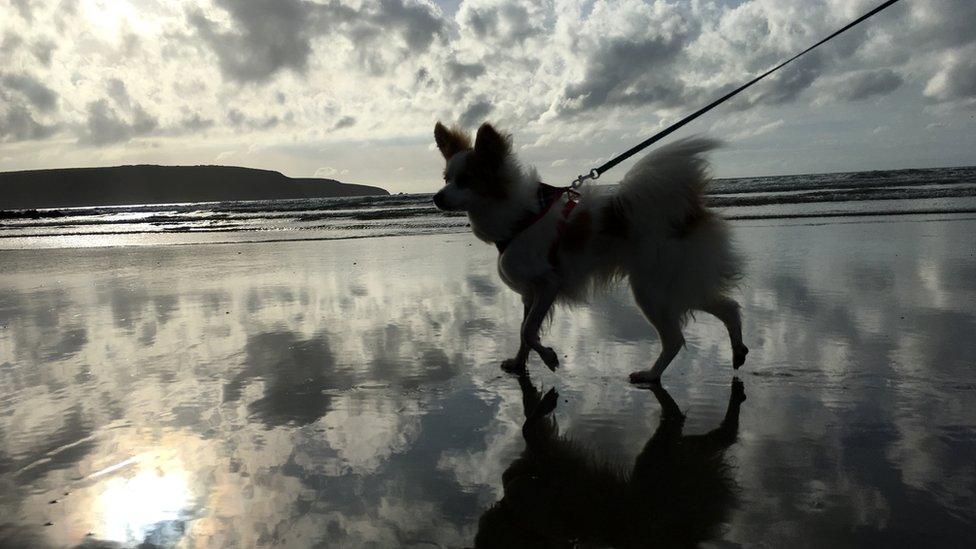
(547, 195)
(571, 201)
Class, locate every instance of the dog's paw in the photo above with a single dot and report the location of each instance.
(549, 357)
(645, 377)
(546, 405)
(514, 366)
(738, 395)
(739, 356)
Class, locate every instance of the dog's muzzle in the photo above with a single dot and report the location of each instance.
(439, 201)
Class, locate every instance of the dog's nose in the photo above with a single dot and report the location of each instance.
(439, 200)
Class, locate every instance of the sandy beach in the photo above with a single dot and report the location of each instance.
(348, 392)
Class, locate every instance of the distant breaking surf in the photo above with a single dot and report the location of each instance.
(876, 193)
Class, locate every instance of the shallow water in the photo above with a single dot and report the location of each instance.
(348, 392)
(946, 191)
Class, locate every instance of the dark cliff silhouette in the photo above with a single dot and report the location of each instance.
(559, 494)
(124, 185)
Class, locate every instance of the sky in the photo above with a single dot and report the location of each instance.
(351, 90)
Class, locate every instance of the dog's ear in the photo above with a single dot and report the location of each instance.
(491, 145)
(450, 141)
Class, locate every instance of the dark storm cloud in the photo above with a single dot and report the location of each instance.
(463, 71)
(20, 96)
(344, 122)
(118, 92)
(269, 35)
(42, 50)
(507, 23)
(24, 9)
(947, 23)
(372, 30)
(11, 41)
(475, 114)
(867, 84)
(40, 96)
(238, 119)
(960, 80)
(18, 124)
(416, 24)
(194, 123)
(104, 126)
(792, 80)
(629, 72)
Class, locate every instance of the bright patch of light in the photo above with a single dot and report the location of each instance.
(134, 506)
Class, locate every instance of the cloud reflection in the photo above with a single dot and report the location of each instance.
(347, 393)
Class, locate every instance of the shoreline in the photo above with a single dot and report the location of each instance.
(158, 238)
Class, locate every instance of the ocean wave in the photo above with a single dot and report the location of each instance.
(876, 193)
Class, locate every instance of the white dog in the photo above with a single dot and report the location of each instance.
(556, 245)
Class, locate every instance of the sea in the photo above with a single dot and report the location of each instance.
(911, 192)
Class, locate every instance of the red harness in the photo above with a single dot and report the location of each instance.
(547, 195)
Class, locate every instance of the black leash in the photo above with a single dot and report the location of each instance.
(595, 173)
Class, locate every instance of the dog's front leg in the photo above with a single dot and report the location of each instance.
(517, 364)
(542, 299)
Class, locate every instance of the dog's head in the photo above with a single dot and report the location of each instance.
(473, 175)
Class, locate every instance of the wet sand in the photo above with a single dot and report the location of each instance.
(348, 392)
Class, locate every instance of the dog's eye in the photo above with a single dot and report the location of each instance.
(462, 180)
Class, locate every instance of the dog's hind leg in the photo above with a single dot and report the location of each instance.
(727, 310)
(668, 328)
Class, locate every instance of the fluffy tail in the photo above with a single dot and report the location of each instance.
(667, 187)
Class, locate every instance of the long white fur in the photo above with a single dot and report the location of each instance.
(656, 194)
(670, 275)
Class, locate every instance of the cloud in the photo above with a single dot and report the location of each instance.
(104, 126)
(43, 50)
(941, 23)
(238, 119)
(955, 78)
(267, 36)
(865, 84)
(329, 172)
(755, 131)
(21, 96)
(627, 72)
(502, 21)
(40, 96)
(552, 72)
(385, 33)
(455, 70)
(415, 22)
(630, 57)
(11, 41)
(475, 114)
(18, 124)
(344, 122)
(790, 81)
(194, 123)
(118, 92)
(24, 9)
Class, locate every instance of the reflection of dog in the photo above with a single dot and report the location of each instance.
(654, 229)
(557, 495)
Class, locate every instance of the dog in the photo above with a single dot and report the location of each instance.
(559, 494)
(557, 245)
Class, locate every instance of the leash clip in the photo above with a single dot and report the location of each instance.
(578, 182)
